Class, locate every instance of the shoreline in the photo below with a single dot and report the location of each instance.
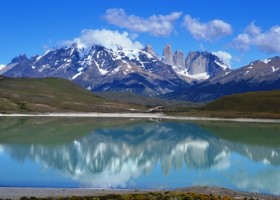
(143, 115)
(19, 192)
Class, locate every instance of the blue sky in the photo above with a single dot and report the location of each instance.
(240, 30)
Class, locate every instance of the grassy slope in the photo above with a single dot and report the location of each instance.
(251, 104)
(248, 102)
(52, 95)
(24, 95)
(258, 104)
(148, 101)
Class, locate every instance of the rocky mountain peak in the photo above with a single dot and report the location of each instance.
(168, 55)
(179, 59)
(98, 68)
(149, 49)
(20, 58)
(204, 62)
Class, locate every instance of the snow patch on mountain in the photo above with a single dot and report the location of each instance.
(116, 70)
(80, 71)
(224, 56)
(131, 54)
(76, 75)
(222, 65)
(41, 56)
(102, 71)
(274, 69)
(185, 73)
(266, 61)
(2, 66)
(227, 73)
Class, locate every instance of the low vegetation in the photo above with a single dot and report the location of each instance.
(140, 196)
(247, 105)
(168, 105)
(251, 104)
(25, 95)
(258, 102)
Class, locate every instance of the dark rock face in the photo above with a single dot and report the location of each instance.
(204, 62)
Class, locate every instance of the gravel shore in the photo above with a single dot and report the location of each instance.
(143, 115)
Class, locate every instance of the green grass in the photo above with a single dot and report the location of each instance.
(148, 101)
(248, 102)
(26, 95)
(247, 105)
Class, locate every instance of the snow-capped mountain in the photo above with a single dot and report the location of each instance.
(103, 69)
(260, 75)
(201, 76)
(197, 66)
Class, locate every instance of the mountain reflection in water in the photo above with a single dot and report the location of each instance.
(142, 153)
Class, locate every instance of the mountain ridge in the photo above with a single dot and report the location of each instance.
(260, 75)
(198, 77)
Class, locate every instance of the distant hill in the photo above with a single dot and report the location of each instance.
(251, 103)
(53, 95)
(130, 97)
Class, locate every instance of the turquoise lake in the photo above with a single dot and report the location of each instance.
(138, 154)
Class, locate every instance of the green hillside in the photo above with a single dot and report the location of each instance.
(259, 104)
(53, 95)
(246, 105)
(148, 101)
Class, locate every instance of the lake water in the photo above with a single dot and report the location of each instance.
(138, 154)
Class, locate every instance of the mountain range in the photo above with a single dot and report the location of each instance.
(200, 76)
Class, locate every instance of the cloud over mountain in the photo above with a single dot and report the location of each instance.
(104, 37)
(157, 25)
(268, 41)
(224, 56)
(208, 31)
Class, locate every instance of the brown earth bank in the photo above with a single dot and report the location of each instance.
(196, 192)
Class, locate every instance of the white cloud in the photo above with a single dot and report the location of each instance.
(2, 66)
(224, 56)
(107, 38)
(158, 25)
(209, 31)
(253, 29)
(268, 41)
